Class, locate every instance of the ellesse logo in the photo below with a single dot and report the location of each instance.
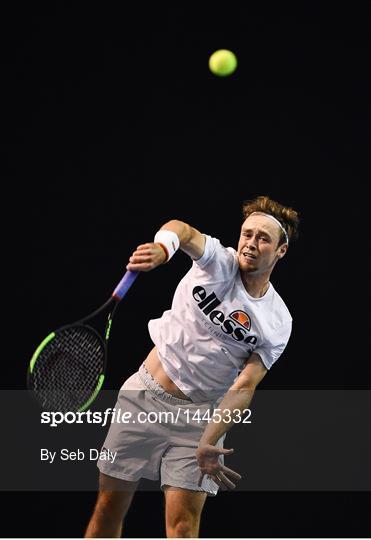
(237, 324)
(242, 318)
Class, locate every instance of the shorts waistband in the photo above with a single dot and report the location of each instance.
(158, 390)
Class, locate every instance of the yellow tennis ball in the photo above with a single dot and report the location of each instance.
(222, 62)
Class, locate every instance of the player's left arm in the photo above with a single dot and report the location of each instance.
(237, 398)
(235, 401)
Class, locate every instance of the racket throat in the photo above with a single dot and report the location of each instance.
(111, 301)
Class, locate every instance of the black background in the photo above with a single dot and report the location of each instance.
(112, 125)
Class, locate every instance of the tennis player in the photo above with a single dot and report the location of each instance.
(226, 327)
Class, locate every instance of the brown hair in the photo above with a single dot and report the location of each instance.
(288, 217)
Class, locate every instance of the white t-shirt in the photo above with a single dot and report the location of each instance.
(214, 325)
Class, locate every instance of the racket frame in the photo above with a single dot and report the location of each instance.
(82, 324)
(120, 291)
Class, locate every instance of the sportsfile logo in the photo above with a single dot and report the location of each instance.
(237, 324)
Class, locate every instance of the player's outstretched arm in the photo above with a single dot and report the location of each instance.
(173, 235)
(231, 408)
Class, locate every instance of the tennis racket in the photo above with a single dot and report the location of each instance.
(66, 371)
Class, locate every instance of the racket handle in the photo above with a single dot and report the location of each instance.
(125, 284)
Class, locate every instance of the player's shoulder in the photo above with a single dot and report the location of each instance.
(277, 311)
(278, 308)
(214, 249)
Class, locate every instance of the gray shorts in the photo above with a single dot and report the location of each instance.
(159, 438)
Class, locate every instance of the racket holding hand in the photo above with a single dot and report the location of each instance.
(66, 371)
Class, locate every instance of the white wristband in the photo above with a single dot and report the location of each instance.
(169, 240)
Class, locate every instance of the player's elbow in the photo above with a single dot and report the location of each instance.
(183, 230)
(246, 383)
(172, 223)
(251, 385)
(252, 374)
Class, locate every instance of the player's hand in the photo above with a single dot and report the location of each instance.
(208, 461)
(146, 257)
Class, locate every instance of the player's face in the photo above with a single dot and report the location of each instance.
(258, 249)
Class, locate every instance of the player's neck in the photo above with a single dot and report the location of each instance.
(256, 285)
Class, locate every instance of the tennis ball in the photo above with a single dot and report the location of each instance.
(222, 62)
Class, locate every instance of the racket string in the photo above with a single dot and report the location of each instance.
(67, 370)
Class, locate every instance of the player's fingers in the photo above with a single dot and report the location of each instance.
(153, 247)
(217, 480)
(148, 245)
(140, 252)
(140, 257)
(226, 482)
(146, 256)
(148, 252)
(140, 267)
(220, 479)
(225, 451)
(231, 473)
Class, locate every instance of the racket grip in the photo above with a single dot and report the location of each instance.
(125, 284)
